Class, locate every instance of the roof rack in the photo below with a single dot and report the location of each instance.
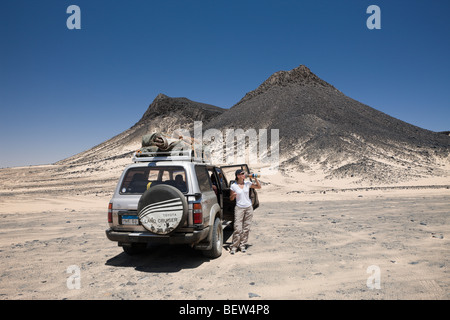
(176, 155)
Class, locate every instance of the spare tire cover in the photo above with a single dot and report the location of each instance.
(162, 209)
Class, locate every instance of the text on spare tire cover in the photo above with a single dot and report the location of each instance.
(162, 217)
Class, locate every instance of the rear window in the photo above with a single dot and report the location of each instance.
(137, 180)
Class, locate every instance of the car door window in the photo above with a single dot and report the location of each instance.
(204, 183)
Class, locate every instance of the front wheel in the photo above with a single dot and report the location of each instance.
(217, 241)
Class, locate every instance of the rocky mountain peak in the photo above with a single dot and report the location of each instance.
(160, 97)
(182, 108)
(301, 76)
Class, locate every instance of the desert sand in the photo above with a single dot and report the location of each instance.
(310, 239)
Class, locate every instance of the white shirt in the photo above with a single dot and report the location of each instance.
(242, 195)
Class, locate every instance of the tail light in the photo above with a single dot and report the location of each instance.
(110, 220)
(197, 213)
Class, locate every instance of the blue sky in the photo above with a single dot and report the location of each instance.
(63, 91)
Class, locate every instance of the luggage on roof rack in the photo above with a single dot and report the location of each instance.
(161, 147)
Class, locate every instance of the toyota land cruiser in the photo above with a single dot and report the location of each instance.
(172, 200)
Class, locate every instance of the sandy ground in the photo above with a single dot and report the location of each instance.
(307, 242)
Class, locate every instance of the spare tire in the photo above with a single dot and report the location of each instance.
(162, 209)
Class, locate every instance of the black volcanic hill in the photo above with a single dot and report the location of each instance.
(165, 114)
(323, 129)
(182, 108)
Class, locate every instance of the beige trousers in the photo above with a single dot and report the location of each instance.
(242, 220)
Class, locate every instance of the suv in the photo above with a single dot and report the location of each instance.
(173, 200)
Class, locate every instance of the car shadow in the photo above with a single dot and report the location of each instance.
(160, 258)
(165, 258)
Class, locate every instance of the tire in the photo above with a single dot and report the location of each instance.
(162, 209)
(216, 241)
(134, 248)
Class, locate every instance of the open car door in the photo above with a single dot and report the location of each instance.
(228, 173)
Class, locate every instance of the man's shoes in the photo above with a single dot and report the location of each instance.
(243, 250)
(233, 251)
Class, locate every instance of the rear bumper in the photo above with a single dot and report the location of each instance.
(147, 237)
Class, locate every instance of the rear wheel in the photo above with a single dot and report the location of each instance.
(216, 241)
(134, 248)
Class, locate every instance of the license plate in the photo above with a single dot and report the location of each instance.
(133, 220)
